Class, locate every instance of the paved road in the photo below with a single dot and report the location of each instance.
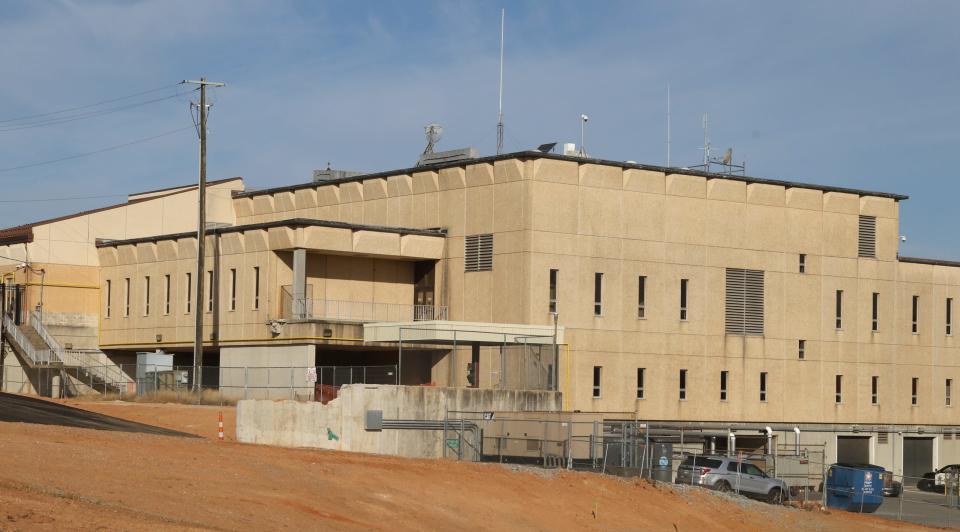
(20, 409)
(921, 507)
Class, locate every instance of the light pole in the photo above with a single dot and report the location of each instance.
(583, 123)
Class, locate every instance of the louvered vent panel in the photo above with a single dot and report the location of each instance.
(478, 253)
(883, 438)
(868, 237)
(744, 302)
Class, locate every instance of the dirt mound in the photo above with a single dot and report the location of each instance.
(56, 477)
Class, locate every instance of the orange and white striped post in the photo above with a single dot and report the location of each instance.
(220, 427)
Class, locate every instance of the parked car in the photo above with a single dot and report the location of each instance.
(728, 474)
(934, 480)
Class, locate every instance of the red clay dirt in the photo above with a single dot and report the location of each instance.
(62, 478)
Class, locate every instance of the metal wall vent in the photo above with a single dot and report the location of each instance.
(744, 302)
(867, 241)
(478, 253)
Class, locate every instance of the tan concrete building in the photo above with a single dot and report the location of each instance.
(680, 296)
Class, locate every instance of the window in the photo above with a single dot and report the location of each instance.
(914, 384)
(126, 297)
(210, 290)
(109, 290)
(683, 298)
(166, 294)
(838, 389)
(597, 294)
(801, 349)
(146, 296)
(867, 241)
(949, 316)
(256, 288)
(723, 385)
(744, 302)
(478, 253)
(640, 376)
(874, 390)
(683, 384)
(763, 386)
(915, 314)
(949, 384)
(839, 309)
(554, 274)
(642, 297)
(596, 381)
(189, 291)
(874, 323)
(233, 289)
(803, 263)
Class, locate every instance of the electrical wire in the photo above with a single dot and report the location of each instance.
(89, 153)
(103, 102)
(91, 114)
(40, 200)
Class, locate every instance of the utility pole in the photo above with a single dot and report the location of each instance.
(201, 230)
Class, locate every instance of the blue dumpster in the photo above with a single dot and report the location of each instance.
(855, 487)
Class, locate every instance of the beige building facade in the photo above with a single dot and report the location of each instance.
(679, 296)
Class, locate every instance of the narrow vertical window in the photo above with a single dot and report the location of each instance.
(256, 288)
(949, 316)
(948, 386)
(683, 298)
(210, 290)
(723, 385)
(109, 290)
(683, 384)
(838, 389)
(554, 275)
(640, 379)
(189, 291)
(801, 349)
(597, 294)
(763, 386)
(642, 297)
(839, 309)
(874, 321)
(803, 263)
(914, 384)
(126, 297)
(596, 381)
(874, 390)
(915, 314)
(233, 289)
(166, 294)
(146, 296)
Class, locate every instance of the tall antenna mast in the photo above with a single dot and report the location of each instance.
(500, 99)
(706, 142)
(668, 124)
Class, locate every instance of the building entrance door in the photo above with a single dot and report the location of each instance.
(917, 459)
(423, 290)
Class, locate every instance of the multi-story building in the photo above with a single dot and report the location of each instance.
(681, 296)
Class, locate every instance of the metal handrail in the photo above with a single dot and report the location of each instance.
(364, 311)
(87, 360)
(38, 326)
(37, 356)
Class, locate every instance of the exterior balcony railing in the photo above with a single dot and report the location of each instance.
(360, 311)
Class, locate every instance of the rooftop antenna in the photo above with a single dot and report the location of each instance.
(500, 98)
(706, 142)
(668, 124)
(583, 123)
(433, 132)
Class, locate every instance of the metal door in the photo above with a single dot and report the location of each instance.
(853, 449)
(917, 458)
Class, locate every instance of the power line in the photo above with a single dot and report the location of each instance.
(40, 200)
(103, 102)
(89, 153)
(90, 114)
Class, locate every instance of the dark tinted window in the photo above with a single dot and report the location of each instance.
(703, 461)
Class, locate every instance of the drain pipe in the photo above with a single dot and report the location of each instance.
(796, 431)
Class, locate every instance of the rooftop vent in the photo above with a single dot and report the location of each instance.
(330, 174)
(448, 156)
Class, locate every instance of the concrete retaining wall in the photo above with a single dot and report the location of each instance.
(339, 425)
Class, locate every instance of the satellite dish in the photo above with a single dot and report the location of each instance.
(433, 131)
(728, 156)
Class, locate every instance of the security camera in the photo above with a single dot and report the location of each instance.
(22, 266)
(903, 238)
(584, 118)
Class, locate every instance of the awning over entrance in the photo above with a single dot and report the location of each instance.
(461, 332)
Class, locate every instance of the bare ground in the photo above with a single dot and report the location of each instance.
(62, 478)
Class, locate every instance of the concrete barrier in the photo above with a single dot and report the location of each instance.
(339, 425)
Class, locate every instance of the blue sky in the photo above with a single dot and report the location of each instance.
(849, 93)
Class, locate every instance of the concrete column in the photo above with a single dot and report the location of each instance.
(299, 283)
